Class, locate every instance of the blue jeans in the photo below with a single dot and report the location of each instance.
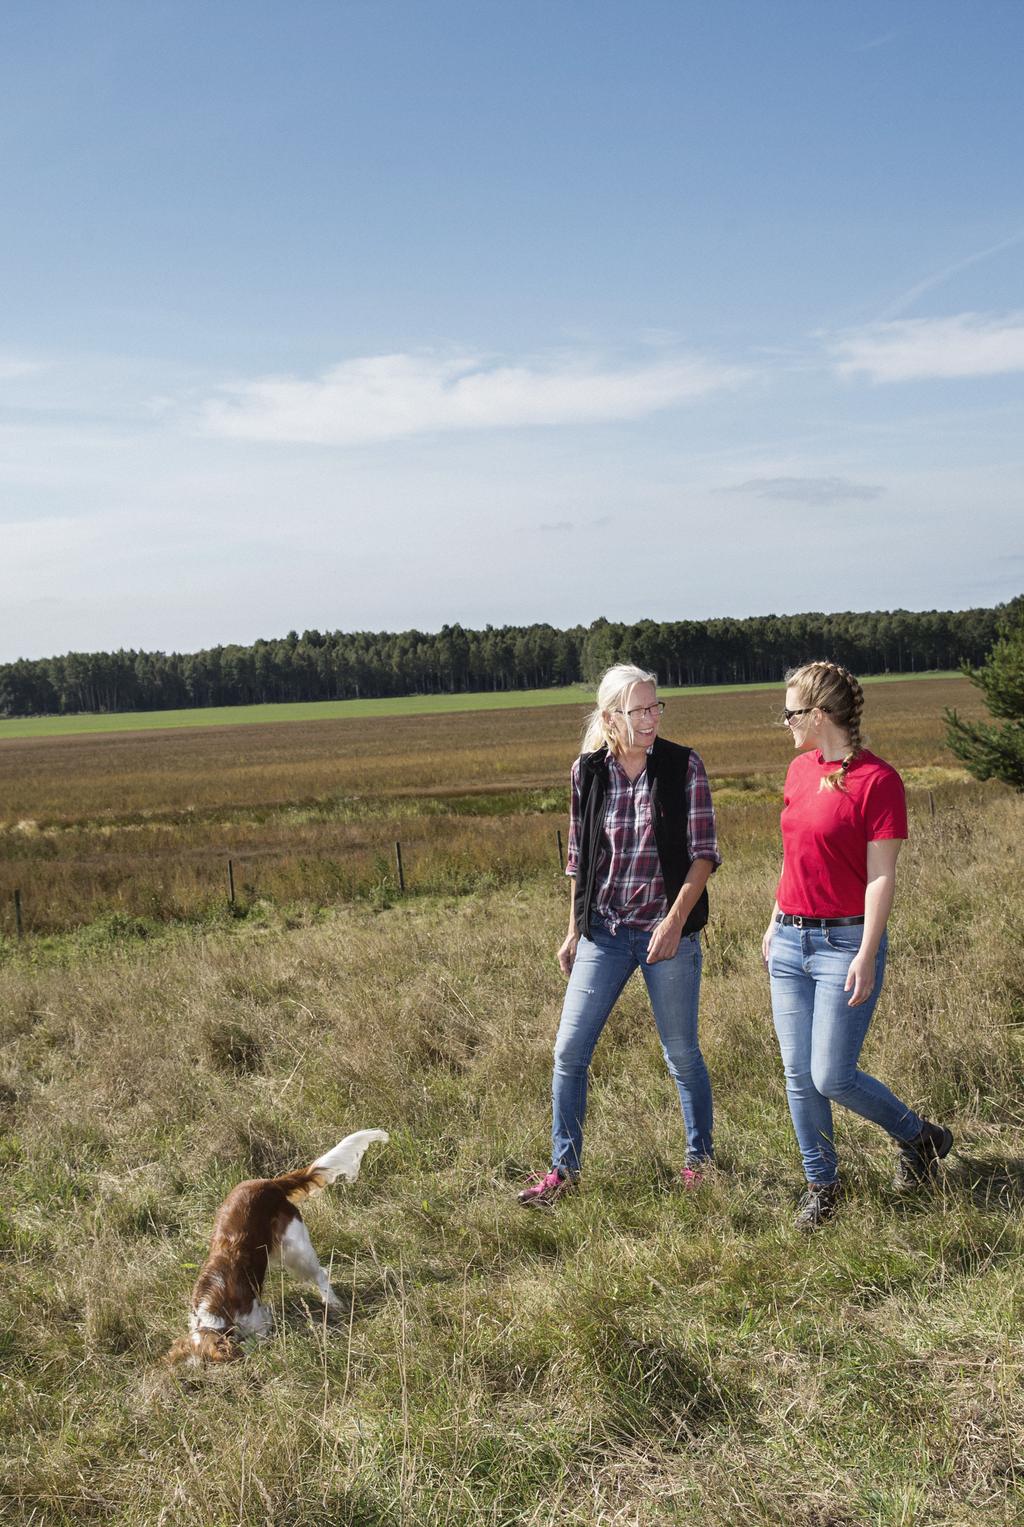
(821, 1036)
(604, 963)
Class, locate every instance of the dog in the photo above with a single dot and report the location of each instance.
(259, 1221)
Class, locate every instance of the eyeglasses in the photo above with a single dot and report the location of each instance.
(787, 715)
(636, 716)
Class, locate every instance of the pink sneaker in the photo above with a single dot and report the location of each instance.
(545, 1188)
(691, 1177)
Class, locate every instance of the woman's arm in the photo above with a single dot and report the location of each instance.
(567, 953)
(769, 932)
(882, 856)
(702, 851)
(665, 938)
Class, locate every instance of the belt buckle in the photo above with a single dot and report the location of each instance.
(798, 921)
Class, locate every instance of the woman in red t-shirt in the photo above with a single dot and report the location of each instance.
(844, 820)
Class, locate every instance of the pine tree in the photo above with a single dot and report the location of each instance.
(996, 752)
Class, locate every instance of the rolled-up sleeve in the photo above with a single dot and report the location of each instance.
(574, 821)
(701, 828)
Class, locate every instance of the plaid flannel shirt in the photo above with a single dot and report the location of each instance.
(629, 887)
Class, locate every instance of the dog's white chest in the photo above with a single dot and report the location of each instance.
(255, 1321)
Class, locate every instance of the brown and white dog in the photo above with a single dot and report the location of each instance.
(259, 1221)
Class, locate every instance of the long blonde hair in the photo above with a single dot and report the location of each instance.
(833, 689)
(612, 694)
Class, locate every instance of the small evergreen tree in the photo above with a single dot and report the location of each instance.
(996, 752)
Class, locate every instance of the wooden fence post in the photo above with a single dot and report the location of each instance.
(17, 914)
(231, 883)
(931, 803)
(398, 865)
(561, 852)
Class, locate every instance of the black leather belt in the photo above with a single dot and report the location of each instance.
(795, 920)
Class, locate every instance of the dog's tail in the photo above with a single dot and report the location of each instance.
(342, 1161)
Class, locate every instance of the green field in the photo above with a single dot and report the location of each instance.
(335, 710)
(639, 1357)
(636, 1358)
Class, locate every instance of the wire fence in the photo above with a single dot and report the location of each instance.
(240, 877)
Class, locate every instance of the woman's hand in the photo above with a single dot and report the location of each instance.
(860, 978)
(766, 942)
(664, 943)
(567, 953)
(769, 934)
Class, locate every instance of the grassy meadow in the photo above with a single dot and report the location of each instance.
(637, 1356)
(84, 722)
(343, 710)
(141, 825)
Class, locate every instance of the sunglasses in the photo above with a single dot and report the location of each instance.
(787, 715)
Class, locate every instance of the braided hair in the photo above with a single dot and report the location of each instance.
(832, 688)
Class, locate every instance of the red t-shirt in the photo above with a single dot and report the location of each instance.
(825, 833)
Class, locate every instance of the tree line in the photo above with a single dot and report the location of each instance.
(340, 665)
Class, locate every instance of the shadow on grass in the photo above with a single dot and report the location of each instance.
(991, 1184)
(356, 1300)
(657, 1387)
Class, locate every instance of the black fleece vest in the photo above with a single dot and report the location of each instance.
(667, 765)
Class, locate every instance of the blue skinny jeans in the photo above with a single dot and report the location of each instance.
(604, 963)
(821, 1037)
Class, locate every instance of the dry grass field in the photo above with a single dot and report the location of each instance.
(637, 1358)
(141, 825)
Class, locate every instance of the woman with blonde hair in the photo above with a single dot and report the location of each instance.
(642, 847)
(844, 821)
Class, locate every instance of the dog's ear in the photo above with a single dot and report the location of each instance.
(179, 1352)
(219, 1349)
(203, 1347)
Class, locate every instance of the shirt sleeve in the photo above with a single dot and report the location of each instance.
(701, 830)
(574, 821)
(884, 809)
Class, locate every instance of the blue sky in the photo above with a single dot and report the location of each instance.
(367, 314)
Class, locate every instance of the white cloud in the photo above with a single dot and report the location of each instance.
(13, 369)
(807, 490)
(386, 397)
(911, 349)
